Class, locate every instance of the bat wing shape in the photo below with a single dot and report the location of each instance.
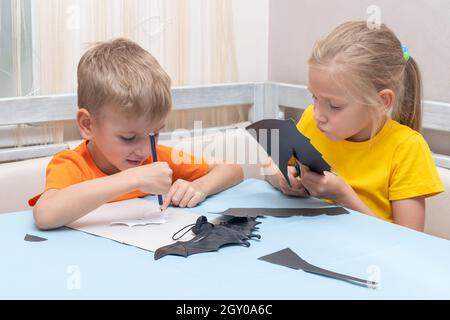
(282, 140)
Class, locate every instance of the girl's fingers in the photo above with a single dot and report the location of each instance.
(292, 171)
(298, 192)
(295, 183)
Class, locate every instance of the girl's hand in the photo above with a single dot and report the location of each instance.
(276, 179)
(327, 186)
(184, 194)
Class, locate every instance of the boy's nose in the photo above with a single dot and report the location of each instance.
(144, 149)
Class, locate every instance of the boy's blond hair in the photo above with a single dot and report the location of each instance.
(122, 75)
(372, 60)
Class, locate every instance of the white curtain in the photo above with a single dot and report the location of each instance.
(192, 39)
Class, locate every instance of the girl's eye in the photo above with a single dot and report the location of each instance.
(314, 97)
(128, 138)
(334, 107)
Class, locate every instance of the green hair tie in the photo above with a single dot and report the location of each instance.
(405, 53)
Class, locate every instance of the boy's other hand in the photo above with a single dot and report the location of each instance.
(154, 178)
(184, 194)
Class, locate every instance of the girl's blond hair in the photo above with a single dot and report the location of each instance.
(372, 59)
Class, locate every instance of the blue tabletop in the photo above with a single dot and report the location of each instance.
(76, 265)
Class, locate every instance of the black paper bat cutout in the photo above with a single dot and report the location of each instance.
(211, 237)
(290, 259)
(291, 142)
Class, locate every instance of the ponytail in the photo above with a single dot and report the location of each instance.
(408, 110)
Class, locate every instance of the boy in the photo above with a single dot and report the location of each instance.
(123, 97)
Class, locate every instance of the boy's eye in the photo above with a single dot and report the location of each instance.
(128, 138)
(314, 97)
(334, 107)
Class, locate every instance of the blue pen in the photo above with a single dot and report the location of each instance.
(155, 159)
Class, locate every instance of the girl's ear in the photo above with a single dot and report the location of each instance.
(387, 97)
(85, 122)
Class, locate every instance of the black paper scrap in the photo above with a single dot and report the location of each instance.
(31, 238)
(283, 212)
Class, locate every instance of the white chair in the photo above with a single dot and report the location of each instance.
(20, 181)
(437, 221)
(23, 180)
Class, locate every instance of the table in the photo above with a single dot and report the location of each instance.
(76, 265)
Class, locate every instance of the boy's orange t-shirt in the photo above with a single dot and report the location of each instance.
(70, 167)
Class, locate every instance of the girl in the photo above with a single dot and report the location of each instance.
(365, 121)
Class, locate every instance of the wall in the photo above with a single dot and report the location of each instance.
(251, 23)
(422, 25)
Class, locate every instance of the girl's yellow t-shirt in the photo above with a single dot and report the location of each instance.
(396, 164)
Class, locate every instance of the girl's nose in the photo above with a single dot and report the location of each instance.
(319, 116)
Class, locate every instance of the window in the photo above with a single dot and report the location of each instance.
(16, 54)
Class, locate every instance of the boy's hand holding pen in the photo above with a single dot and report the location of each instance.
(155, 159)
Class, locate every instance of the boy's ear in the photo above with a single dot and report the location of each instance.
(387, 97)
(84, 122)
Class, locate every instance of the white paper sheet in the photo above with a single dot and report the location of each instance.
(149, 237)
